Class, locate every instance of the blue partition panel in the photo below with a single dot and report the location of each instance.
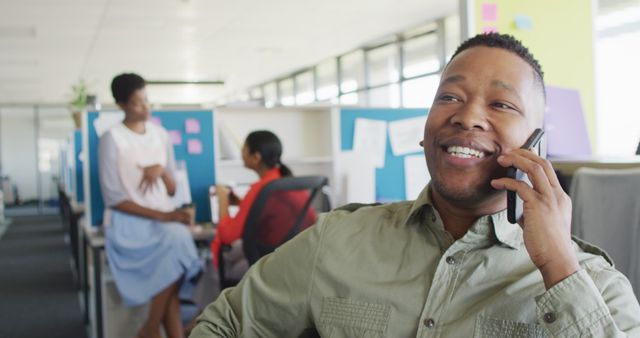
(78, 187)
(389, 179)
(200, 165)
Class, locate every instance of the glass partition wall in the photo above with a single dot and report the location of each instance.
(30, 141)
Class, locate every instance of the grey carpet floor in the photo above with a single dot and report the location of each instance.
(37, 293)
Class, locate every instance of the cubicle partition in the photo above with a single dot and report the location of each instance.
(192, 135)
(76, 179)
(389, 136)
(320, 141)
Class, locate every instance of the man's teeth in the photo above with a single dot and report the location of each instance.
(464, 152)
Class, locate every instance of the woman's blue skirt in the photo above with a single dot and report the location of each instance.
(146, 256)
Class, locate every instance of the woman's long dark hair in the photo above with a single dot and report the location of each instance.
(269, 147)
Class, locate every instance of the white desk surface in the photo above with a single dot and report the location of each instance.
(96, 234)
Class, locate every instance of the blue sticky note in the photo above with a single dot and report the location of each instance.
(523, 22)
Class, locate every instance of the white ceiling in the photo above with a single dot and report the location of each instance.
(47, 45)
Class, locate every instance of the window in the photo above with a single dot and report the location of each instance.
(327, 75)
(287, 97)
(270, 91)
(387, 96)
(421, 55)
(352, 69)
(419, 93)
(402, 70)
(383, 65)
(304, 88)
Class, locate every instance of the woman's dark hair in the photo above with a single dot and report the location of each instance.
(269, 147)
(123, 85)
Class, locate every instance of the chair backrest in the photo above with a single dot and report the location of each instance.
(281, 210)
(606, 212)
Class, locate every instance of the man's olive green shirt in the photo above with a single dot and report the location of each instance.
(393, 271)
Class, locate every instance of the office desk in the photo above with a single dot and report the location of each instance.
(568, 166)
(92, 258)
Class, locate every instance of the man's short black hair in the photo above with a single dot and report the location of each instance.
(506, 42)
(123, 85)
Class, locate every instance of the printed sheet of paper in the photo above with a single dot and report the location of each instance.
(106, 120)
(370, 139)
(416, 175)
(358, 178)
(406, 134)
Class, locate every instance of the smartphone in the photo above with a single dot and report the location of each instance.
(514, 202)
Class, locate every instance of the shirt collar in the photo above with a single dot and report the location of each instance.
(505, 233)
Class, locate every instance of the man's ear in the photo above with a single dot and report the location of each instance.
(120, 105)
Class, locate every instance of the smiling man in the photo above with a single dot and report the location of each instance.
(448, 264)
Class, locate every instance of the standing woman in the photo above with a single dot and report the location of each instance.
(150, 250)
(261, 153)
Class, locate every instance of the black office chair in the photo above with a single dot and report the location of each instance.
(276, 203)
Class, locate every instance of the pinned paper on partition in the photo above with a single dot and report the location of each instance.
(106, 120)
(489, 30)
(155, 120)
(175, 136)
(370, 138)
(192, 126)
(416, 176)
(194, 147)
(406, 134)
(523, 22)
(358, 177)
(489, 12)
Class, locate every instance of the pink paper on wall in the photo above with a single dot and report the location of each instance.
(175, 136)
(155, 120)
(489, 29)
(194, 147)
(192, 126)
(489, 12)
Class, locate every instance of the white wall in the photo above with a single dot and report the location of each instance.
(17, 139)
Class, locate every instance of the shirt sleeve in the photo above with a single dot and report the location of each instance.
(590, 304)
(272, 300)
(111, 186)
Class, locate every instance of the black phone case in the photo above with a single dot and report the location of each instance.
(512, 198)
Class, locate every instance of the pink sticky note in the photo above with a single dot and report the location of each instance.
(192, 126)
(489, 12)
(489, 29)
(175, 136)
(194, 147)
(156, 120)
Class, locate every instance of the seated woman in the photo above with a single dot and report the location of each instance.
(151, 252)
(261, 153)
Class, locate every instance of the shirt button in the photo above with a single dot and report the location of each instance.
(450, 260)
(549, 317)
(429, 323)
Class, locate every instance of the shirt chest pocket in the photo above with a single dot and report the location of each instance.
(500, 328)
(341, 317)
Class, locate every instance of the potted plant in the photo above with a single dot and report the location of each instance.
(78, 103)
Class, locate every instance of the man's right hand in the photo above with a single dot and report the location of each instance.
(180, 216)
